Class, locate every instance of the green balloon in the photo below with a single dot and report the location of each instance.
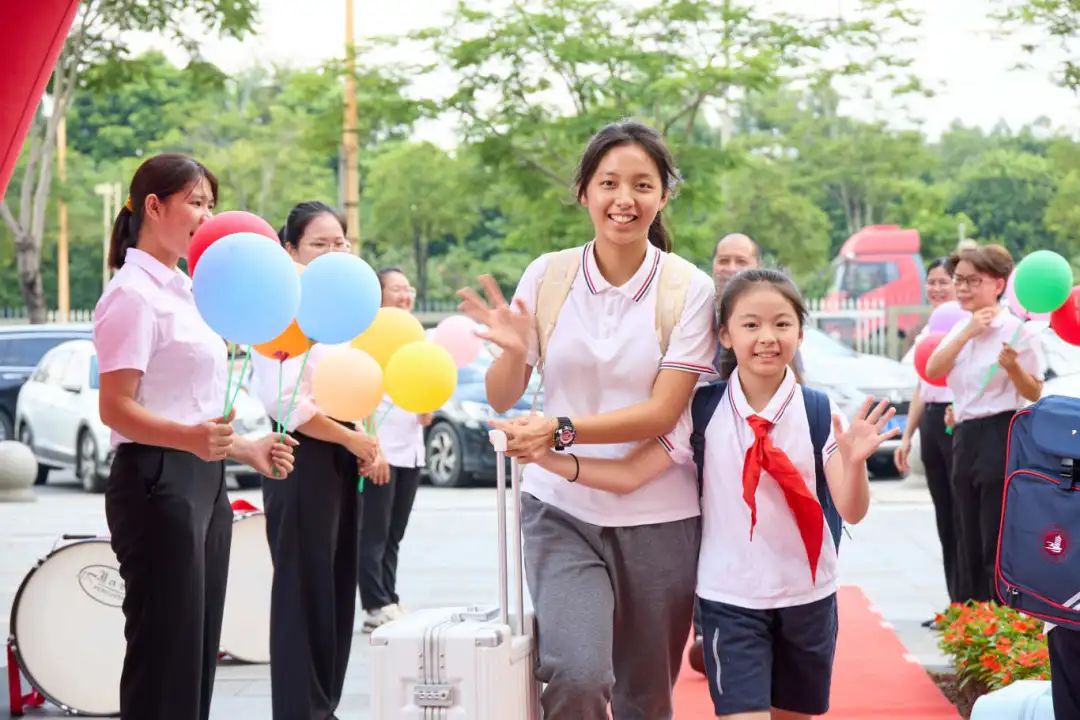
(1043, 281)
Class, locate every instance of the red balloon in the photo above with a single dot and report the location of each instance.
(217, 227)
(1066, 319)
(923, 351)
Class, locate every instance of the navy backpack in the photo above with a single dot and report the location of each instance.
(1038, 557)
(819, 415)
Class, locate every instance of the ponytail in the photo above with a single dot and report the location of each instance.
(125, 233)
(658, 233)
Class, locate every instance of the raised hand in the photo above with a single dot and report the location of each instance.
(508, 327)
(864, 435)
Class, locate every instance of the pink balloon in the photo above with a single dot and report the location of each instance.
(945, 316)
(1014, 304)
(457, 334)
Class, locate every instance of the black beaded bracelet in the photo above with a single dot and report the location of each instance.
(577, 468)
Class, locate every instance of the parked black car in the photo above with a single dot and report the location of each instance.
(21, 347)
(458, 451)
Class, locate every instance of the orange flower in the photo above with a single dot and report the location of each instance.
(1020, 626)
(1004, 645)
(1006, 678)
(990, 662)
(991, 629)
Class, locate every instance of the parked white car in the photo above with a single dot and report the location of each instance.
(56, 415)
(848, 377)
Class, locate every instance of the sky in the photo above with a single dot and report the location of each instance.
(956, 53)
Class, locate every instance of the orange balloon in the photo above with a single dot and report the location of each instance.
(347, 384)
(291, 343)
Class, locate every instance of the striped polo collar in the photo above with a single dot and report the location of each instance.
(777, 405)
(636, 288)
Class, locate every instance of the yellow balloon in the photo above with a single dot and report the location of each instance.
(420, 377)
(391, 329)
(347, 384)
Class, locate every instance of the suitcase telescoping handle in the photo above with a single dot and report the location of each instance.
(498, 441)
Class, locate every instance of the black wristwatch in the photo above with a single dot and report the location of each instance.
(565, 434)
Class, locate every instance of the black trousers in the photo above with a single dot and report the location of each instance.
(171, 528)
(386, 515)
(312, 525)
(979, 448)
(936, 451)
(1064, 646)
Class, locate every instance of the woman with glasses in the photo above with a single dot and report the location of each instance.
(993, 365)
(313, 515)
(388, 501)
(927, 414)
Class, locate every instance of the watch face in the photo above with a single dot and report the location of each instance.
(566, 435)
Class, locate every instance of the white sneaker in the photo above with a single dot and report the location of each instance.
(375, 619)
(395, 611)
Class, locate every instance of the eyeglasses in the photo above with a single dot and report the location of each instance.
(401, 290)
(972, 281)
(323, 245)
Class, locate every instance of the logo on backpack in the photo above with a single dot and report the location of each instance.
(1055, 543)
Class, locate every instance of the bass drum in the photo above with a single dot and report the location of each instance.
(245, 628)
(67, 628)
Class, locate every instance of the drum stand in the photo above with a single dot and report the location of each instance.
(32, 699)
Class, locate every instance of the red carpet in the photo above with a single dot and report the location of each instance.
(871, 678)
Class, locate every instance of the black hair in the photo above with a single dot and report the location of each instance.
(162, 175)
(384, 272)
(738, 286)
(302, 215)
(649, 140)
(945, 263)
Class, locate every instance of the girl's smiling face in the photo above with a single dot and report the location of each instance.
(763, 330)
(624, 195)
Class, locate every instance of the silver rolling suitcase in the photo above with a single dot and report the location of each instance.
(463, 663)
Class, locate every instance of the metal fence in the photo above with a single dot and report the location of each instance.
(868, 326)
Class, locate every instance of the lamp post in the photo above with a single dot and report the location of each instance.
(109, 192)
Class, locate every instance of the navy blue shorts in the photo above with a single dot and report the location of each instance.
(782, 658)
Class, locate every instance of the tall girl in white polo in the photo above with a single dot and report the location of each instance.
(994, 367)
(611, 576)
(766, 578)
(163, 384)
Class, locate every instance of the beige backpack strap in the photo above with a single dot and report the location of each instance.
(675, 276)
(554, 288)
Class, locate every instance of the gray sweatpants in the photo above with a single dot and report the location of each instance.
(613, 608)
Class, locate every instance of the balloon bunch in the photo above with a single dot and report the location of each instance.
(250, 292)
(1039, 289)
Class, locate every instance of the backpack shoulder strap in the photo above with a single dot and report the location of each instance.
(555, 284)
(675, 276)
(819, 417)
(702, 409)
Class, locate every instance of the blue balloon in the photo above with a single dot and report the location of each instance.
(247, 289)
(340, 295)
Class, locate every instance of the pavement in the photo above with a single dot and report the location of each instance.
(449, 558)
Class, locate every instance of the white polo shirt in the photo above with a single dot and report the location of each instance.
(980, 354)
(146, 320)
(603, 355)
(770, 571)
(401, 436)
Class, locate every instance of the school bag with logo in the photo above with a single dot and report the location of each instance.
(818, 415)
(562, 269)
(1038, 563)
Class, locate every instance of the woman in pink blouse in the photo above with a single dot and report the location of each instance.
(163, 377)
(994, 366)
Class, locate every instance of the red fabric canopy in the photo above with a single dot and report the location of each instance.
(32, 35)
